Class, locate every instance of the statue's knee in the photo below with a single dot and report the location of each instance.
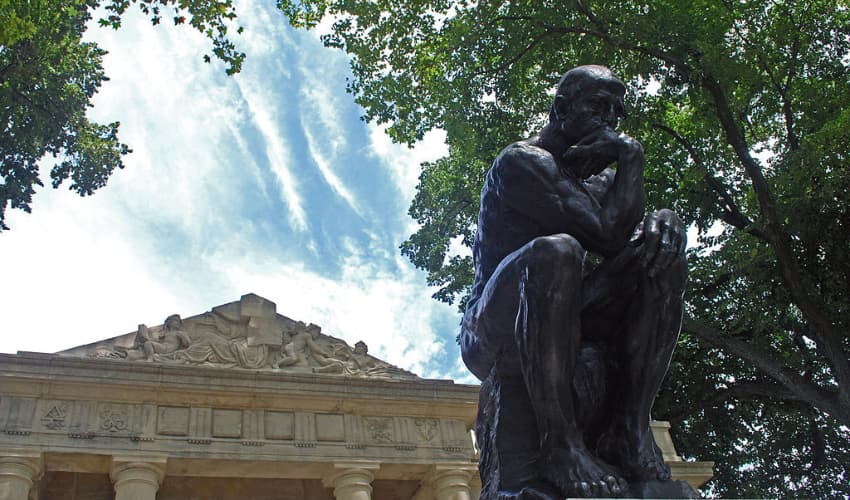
(560, 250)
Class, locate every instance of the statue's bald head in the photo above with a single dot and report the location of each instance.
(583, 80)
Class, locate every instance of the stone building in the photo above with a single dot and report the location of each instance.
(238, 403)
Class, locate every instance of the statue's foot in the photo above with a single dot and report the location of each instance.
(640, 459)
(542, 492)
(578, 474)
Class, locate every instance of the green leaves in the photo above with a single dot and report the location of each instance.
(210, 17)
(47, 76)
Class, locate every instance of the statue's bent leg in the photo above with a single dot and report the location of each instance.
(529, 312)
(652, 323)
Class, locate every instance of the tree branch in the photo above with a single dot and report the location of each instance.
(781, 89)
(740, 391)
(766, 363)
(732, 213)
(510, 62)
(827, 334)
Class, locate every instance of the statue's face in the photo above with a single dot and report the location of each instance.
(596, 108)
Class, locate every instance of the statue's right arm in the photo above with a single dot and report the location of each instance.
(530, 181)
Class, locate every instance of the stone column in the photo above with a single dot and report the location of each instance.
(137, 478)
(352, 481)
(452, 482)
(19, 470)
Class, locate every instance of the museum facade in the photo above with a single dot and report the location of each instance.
(239, 403)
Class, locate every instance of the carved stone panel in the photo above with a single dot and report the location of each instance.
(54, 414)
(113, 418)
(379, 430)
(227, 423)
(279, 424)
(172, 421)
(19, 414)
(330, 427)
(427, 430)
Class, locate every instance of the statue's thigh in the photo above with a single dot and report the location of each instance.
(494, 315)
(609, 296)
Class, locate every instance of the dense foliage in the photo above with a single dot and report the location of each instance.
(744, 110)
(48, 76)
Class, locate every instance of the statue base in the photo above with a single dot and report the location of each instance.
(662, 489)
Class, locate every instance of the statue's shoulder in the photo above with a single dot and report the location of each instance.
(522, 155)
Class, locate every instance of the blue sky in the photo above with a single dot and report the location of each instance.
(265, 182)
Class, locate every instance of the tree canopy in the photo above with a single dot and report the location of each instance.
(48, 76)
(743, 108)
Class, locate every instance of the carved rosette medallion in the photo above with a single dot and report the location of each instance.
(114, 418)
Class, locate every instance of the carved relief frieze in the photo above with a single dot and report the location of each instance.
(204, 426)
(249, 335)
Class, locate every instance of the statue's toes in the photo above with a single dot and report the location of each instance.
(615, 486)
(582, 489)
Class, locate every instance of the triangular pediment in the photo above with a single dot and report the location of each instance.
(246, 334)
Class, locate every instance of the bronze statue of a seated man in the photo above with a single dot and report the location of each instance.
(571, 354)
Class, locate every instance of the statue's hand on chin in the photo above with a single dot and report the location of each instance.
(594, 152)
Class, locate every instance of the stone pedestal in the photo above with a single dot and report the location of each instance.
(352, 481)
(137, 478)
(18, 473)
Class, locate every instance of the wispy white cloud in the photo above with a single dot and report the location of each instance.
(263, 110)
(164, 235)
(403, 163)
(324, 165)
(320, 89)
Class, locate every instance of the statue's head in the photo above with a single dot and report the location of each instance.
(314, 330)
(588, 98)
(361, 348)
(173, 322)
